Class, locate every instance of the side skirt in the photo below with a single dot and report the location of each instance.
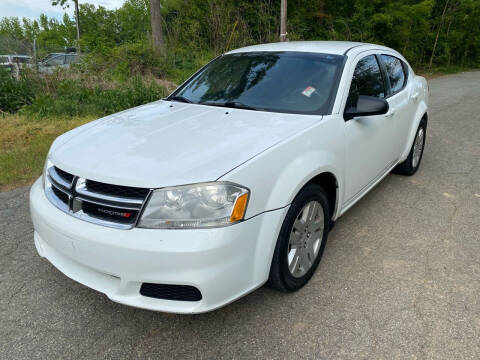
(366, 189)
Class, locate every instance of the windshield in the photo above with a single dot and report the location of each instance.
(49, 56)
(4, 60)
(291, 82)
(57, 60)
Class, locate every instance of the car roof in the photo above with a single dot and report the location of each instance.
(15, 55)
(326, 47)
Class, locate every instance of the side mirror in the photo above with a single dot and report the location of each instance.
(366, 106)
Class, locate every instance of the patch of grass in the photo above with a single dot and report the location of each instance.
(24, 145)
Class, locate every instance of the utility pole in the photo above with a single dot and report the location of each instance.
(77, 22)
(283, 21)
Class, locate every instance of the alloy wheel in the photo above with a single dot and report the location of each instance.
(418, 147)
(305, 239)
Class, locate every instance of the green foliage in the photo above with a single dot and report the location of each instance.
(121, 69)
(445, 31)
(14, 93)
(72, 95)
(127, 60)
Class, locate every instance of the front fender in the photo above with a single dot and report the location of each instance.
(276, 176)
(296, 174)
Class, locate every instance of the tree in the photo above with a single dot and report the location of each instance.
(64, 3)
(156, 20)
(439, 28)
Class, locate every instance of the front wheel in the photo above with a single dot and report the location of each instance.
(412, 162)
(301, 240)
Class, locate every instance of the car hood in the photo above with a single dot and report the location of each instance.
(170, 143)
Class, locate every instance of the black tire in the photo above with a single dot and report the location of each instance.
(280, 277)
(407, 167)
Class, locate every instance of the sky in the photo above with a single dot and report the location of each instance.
(33, 8)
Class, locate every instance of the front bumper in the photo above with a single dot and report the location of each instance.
(223, 263)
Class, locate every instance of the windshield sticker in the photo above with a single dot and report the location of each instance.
(308, 91)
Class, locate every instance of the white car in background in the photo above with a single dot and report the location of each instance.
(15, 63)
(188, 203)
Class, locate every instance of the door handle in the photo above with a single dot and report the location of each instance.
(415, 96)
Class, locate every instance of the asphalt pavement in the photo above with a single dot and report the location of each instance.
(399, 279)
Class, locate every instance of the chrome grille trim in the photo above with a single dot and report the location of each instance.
(86, 217)
(78, 196)
(82, 189)
(105, 203)
(57, 179)
(54, 199)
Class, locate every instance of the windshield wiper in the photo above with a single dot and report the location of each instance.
(179, 98)
(231, 104)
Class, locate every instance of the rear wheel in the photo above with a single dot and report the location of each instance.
(301, 240)
(412, 162)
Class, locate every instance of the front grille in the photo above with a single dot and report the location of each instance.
(104, 204)
(116, 190)
(61, 195)
(110, 213)
(171, 292)
(64, 175)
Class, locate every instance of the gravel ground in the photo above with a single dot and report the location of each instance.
(400, 277)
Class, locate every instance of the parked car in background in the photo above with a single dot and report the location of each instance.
(57, 61)
(15, 63)
(190, 202)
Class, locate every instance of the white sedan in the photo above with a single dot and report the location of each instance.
(188, 203)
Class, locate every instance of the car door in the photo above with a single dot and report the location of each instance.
(72, 59)
(55, 63)
(370, 139)
(402, 105)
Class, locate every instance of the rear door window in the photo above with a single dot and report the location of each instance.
(395, 72)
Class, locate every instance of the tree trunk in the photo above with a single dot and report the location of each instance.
(438, 34)
(77, 23)
(321, 11)
(156, 20)
(283, 21)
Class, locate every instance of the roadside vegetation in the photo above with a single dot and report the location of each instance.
(24, 144)
(120, 68)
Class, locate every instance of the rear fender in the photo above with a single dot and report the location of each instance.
(420, 113)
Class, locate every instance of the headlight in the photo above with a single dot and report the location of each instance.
(195, 206)
(47, 165)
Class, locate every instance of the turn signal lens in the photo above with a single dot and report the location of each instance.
(239, 209)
